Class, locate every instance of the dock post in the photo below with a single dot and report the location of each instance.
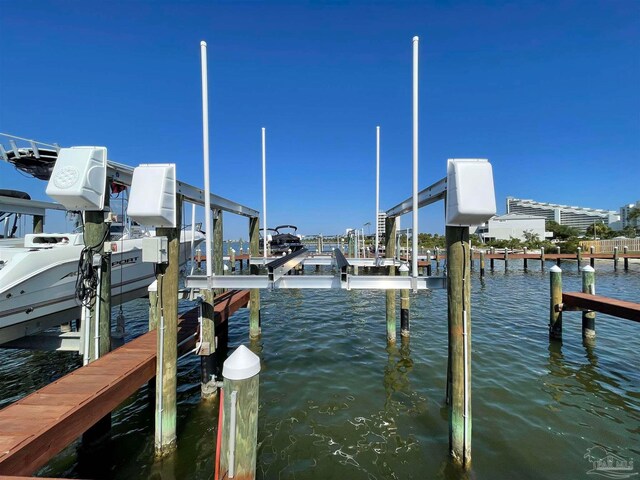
(471, 258)
(428, 263)
(481, 263)
(579, 257)
(558, 260)
(254, 296)
(492, 251)
(38, 224)
(526, 263)
(207, 348)
(555, 314)
(404, 304)
(232, 259)
(166, 365)
(506, 259)
(615, 258)
(96, 232)
(390, 253)
(588, 316)
(238, 450)
(218, 247)
(542, 258)
(592, 260)
(437, 259)
(459, 319)
(626, 259)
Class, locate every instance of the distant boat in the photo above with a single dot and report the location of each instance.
(283, 242)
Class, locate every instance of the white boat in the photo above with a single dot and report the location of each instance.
(38, 279)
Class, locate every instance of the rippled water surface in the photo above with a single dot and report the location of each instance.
(337, 402)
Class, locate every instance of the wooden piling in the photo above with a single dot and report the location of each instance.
(491, 262)
(615, 258)
(541, 258)
(579, 257)
(626, 259)
(506, 259)
(558, 260)
(592, 260)
(437, 250)
(482, 263)
(555, 299)
(404, 304)
(166, 366)
(588, 316)
(254, 302)
(390, 253)
(238, 450)
(38, 224)
(206, 349)
(232, 259)
(525, 260)
(459, 317)
(218, 247)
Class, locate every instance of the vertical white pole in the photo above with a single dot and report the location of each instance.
(414, 258)
(377, 187)
(264, 193)
(205, 150)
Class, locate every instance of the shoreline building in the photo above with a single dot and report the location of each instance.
(572, 216)
(513, 225)
(624, 215)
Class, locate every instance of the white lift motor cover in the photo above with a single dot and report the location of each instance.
(471, 198)
(152, 200)
(79, 178)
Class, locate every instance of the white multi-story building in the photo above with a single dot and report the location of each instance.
(512, 225)
(624, 215)
(382, 217)
(572, 216)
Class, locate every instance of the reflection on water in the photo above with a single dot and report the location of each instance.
(337, 402)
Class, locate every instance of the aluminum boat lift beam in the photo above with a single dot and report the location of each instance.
(277, 278)
(429, 195)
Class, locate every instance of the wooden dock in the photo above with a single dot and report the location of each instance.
(598, 303)
(36, 428)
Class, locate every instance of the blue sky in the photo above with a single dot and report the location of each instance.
(547, 91)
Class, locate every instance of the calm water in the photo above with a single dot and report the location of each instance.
(337, 402)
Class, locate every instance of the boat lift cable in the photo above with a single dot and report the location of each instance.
(87, 279)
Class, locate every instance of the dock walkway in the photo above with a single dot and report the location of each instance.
(36, 428)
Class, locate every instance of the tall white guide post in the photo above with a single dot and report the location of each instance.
(414, 244)
(377, 187)
(264, 193)
(205, 155)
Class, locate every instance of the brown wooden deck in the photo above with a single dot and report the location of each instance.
(598, 303)
(37, 427)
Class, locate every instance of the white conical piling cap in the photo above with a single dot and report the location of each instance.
(556, 269)
(588, 268)
(241, 364)
(404, 268)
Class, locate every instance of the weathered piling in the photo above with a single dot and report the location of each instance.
(506, 259)
(390, 252)
(166, 365)
(404, 304)
(541, 258)
(615, 258)
(626, 259)
(588, 316)
(232, 259)
(207, 346)
(218, 247)
(437, 250)
(558, 260)
(579, 257)
(238, 449)
(592, 260)
(525, 259)
(555, 299)
(459, 316)
(491, 262)
(471, 263)
(254, 302)
(482, 263)
(428, 263)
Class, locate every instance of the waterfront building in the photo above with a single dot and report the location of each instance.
(512, 225)
(625, 210)
(572, 216)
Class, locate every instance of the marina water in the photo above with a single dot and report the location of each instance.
(337, 402)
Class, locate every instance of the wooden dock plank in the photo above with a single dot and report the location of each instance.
(37, 427)
(598, 303)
